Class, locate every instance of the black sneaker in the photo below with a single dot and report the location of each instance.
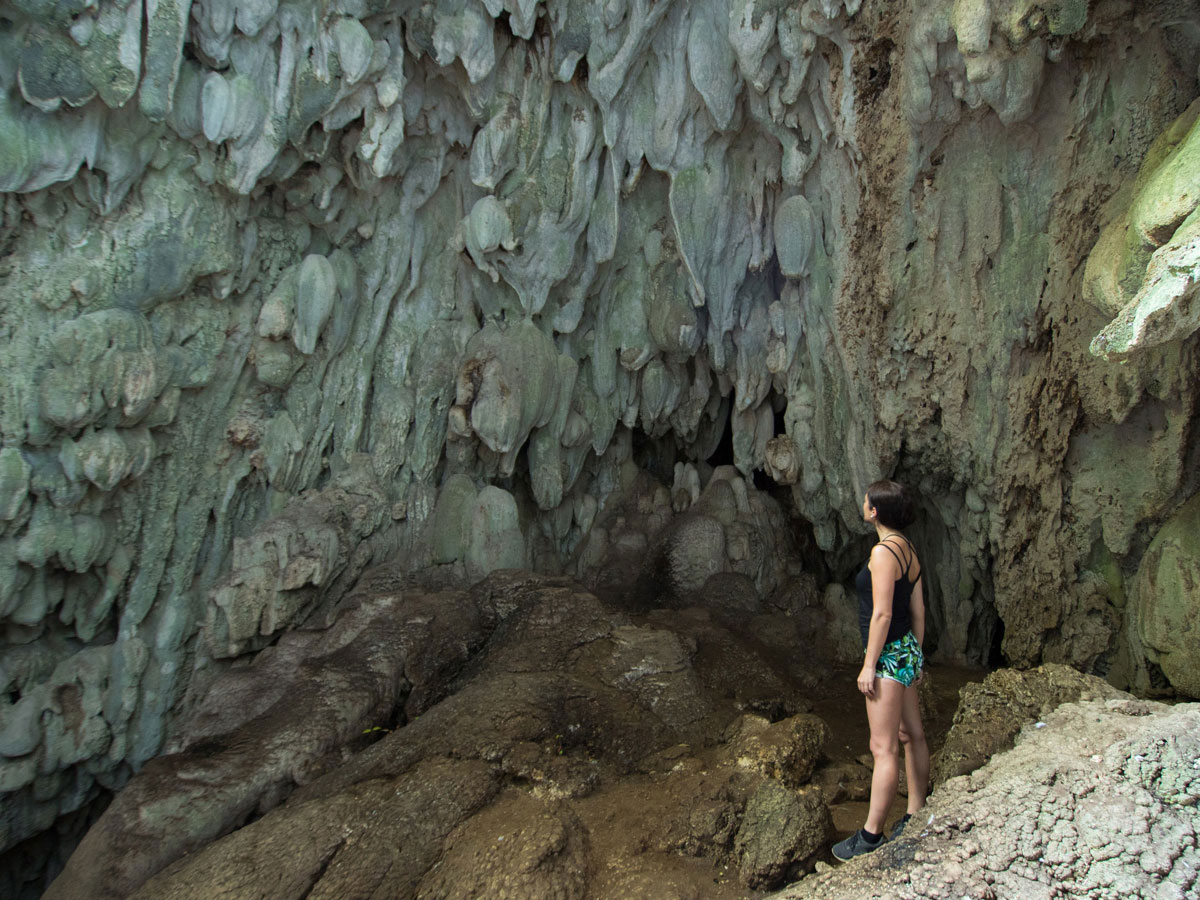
(898, 828)
(855, 845)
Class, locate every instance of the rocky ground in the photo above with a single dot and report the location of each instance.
(1098, 800)
(527, 739)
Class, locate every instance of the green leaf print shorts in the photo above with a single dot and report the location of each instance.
(901, 660)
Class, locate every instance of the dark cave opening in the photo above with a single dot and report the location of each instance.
(28, 868)
(655, 455)
(814, 560)
(723, 454)
(995, 656)
(878, 69)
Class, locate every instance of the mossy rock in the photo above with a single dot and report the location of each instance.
(1166, 600)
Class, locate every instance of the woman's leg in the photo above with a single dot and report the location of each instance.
(916, 750)
(883, 714)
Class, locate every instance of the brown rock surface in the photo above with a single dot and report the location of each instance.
(598, 734)
(554, 747)
(375, 839)
(261, 730)
(518, 847)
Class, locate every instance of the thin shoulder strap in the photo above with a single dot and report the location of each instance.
(905, 564)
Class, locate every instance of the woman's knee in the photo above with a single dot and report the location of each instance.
(883, 746)
(910, 736)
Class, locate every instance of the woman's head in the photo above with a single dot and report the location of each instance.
(888, 503)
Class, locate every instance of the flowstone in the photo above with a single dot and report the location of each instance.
(527, 736)
(486, 258)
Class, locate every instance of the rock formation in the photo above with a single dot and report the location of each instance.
(525, 737)
(992, 713)
(1099, 800)
(548, 745)
(286, 289)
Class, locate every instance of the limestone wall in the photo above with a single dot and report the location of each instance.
(273, 274)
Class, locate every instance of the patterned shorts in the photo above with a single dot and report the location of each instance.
(901, 660)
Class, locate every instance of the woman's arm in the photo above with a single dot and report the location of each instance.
(884, 570)
(918, 611)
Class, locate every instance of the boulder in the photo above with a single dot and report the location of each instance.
(693, 551)
(991, 713)
(1165, 602)
(781, 830)
(787, 751)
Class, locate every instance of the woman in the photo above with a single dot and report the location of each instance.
(891, 618)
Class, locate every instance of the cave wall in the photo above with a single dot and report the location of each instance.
(286, 287)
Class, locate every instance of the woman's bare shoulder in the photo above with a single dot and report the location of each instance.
(883, 560)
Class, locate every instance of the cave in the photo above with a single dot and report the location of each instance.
(359, 361)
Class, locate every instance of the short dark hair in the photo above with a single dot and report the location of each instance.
(892, 503)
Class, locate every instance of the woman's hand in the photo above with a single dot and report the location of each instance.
(866, 681)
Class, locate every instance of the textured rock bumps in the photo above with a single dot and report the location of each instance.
(1098, 801)
(991, 713)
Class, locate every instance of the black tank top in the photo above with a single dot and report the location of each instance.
(901, 598)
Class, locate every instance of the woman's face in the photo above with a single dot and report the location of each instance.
(866, 509)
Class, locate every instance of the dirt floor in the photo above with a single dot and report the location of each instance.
(633, 822)
(619, 819)
(606, 808)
